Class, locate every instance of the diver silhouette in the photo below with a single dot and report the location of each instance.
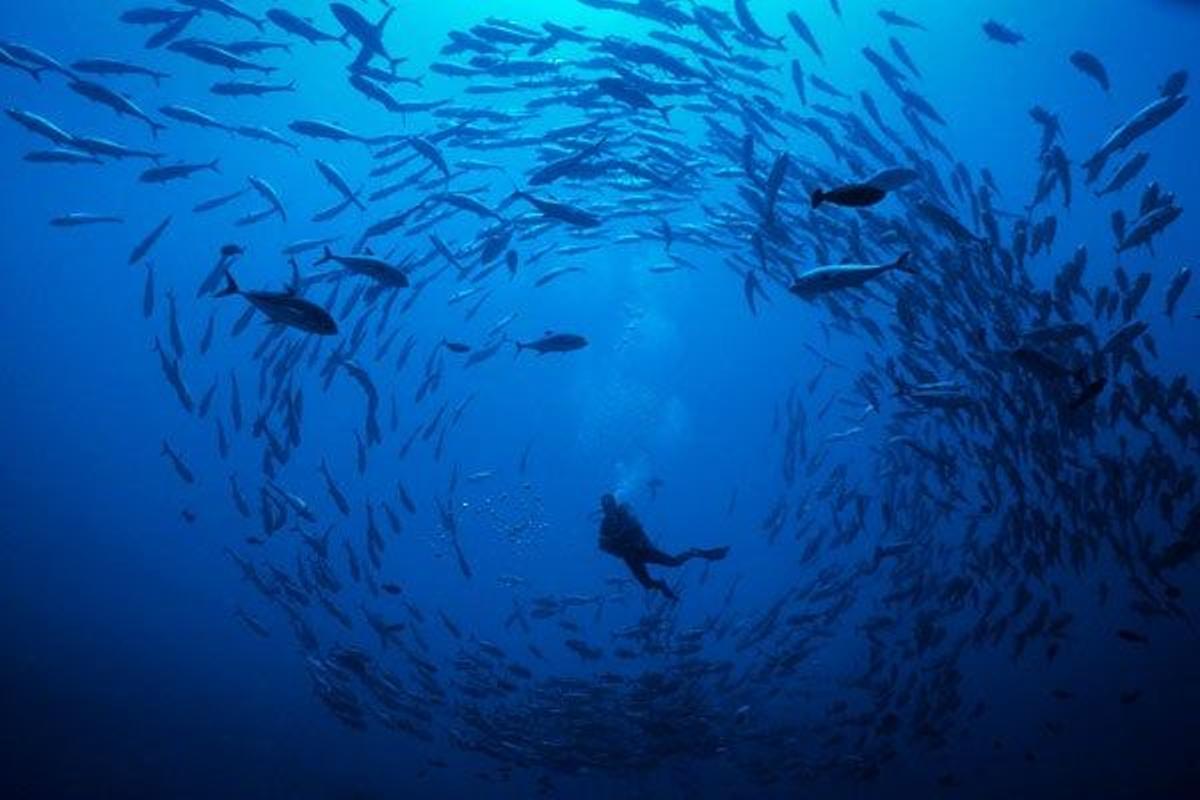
(621, 535)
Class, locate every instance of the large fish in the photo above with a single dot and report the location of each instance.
(285, 308)
(821, 280)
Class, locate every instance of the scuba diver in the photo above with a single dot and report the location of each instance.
(621, 535)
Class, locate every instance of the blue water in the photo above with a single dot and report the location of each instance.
(126, 673)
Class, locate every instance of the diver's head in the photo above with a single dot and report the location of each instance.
(608, 503)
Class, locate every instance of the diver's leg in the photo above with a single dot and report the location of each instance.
(638, 568)
(652, 555)
(656, 556)
(711, 553)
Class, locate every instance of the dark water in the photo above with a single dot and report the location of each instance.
(979, 588)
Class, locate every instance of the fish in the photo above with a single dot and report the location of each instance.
(118, 103)
(571, 215)
(298, 26)
(142, 249)
(851, 195)
(181, 469)
(32, 56)
(217, 56)
(175, 172)
(1126, 173)
(1132, 636)
(335, 179)
(552, 342)
(1175, 83)
(1179, 282)
(7, 59)
(317, 129)
(218, 201)
(1001, 33)
(60, 156)
(1090, 65)
(172, 29)
(285, 308)
(80, 218)
(112, 66)
(223, 8)
(625, 92)
(369, 35)
(40, 126)
(899, 21)
(374, 268)
(821, 280)
(109, 149)
(248, 89)
(805, 33)
(554, 274)
(891, 179)
(192, 117)
(268, 193)
(1141, 123)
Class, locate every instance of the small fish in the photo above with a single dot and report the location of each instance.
(181, 469)
(1002, 33)
(553, 343)
(554, 274)
(143, 247)
(1090, 65)
(1132, 636)
(79, 218)
(109, 66)
(60, 155)
(176, 172)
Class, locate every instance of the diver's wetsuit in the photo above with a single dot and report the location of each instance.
(621, 535)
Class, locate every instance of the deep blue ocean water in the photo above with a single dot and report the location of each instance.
(822, 669)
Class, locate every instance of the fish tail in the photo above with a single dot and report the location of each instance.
(231, 286)
(155, 127)
(215, 165)
(666, 112)
(818, 197)
(326, 256)
(901, 264)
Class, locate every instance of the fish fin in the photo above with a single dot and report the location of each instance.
(231, 286)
